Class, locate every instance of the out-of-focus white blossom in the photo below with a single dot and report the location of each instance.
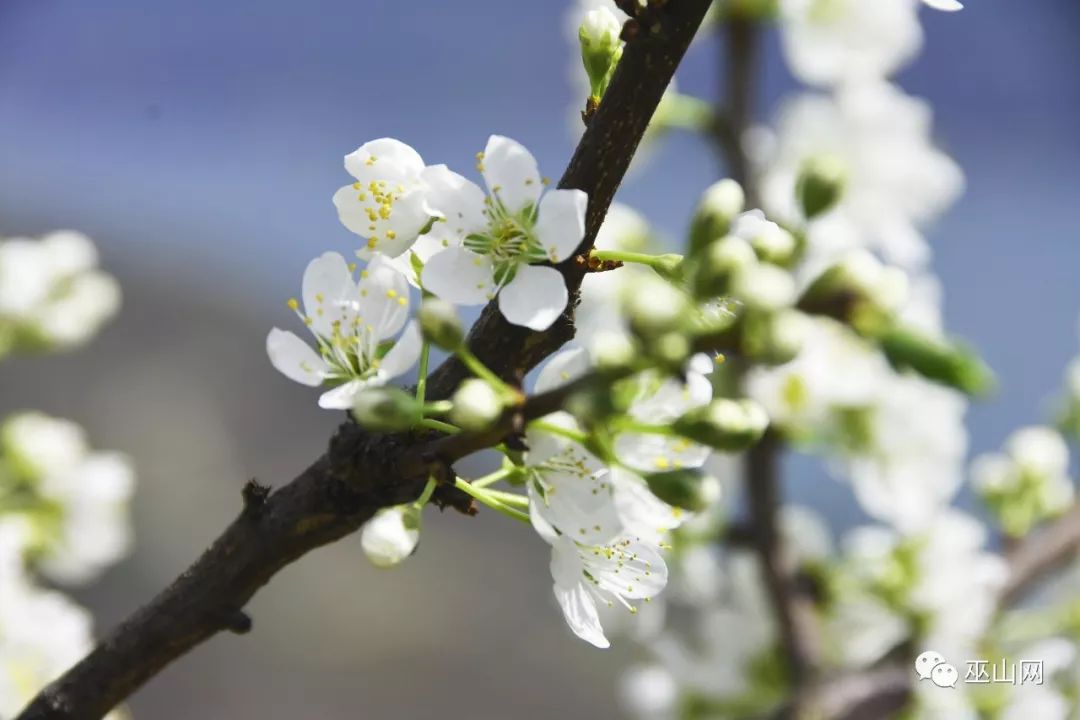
(828, 42)
(52, 294)
(75, 500)
(1029, 481)
(898, 181)
(351, 322)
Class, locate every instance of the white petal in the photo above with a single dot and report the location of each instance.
(388, 539)
(458, 200)
(382, 302)
(561, 222)
(343, 396)
(405, 352)
(647, 452)
(577, 604)
(295, 359)
(632, 569)
(390, 233)
(544, 445)
(562, 368)
(581, 507)
(534, 298)
(640, 512)
(946, 5)
(328, 291)
(459, 276)
(384, 159)
(511, 173)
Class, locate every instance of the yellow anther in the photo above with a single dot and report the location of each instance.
(391, 293)
(294, 304)
(402, 301)
(662, 463)
(371, 160)
(390, 234)
(371, 243)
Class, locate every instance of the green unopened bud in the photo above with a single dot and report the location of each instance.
(440, 324)
(764, 287)
(601, 48)
(386, 409)
(592, 405)
(719, 263)
(775, 338)
(860, 278)
(613, 352)
(476, 405)
(949, 363)
(720, 204)
(687, 489)
(724, 424)
(671, 350)
(654, 306)
(820, 184)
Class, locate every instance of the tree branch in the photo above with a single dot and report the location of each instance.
(360, 473)
(1041, 553)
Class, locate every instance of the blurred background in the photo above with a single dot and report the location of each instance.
(199, 145)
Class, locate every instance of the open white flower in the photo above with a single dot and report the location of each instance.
(492, 244)
(569, 488)
(352, 323)
(387, 204)
(615, 573)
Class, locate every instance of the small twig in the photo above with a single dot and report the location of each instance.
(1038, 555)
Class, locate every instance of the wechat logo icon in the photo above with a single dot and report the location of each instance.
(932, 666)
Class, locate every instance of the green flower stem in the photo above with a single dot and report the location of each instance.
(485, 498)
(579, 437)
(429, 489)
(439, 407)
(508, 498)
(492, 478)
(660, 263)
(482, 371)
(421, 382)
(432, 424)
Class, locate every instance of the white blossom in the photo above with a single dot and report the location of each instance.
(898, 182)
(76, 500)
(351, 322)
(492, 244)
(52, 292)
(388, 203)
(612, 574)
(827, 42)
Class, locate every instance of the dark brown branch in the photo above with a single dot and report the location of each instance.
(1040, 554)
(360, 472)
(792, 604)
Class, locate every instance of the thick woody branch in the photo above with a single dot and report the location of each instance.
(1040, 554)
(361, 472)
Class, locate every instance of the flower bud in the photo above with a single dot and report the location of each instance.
(775, 338)
(391, 536)
(686, 489)
(820, 184)
(717, 265)
(671, 350)
(942, 361)
(771, 242)
(386, 409)
(440, 324)
(613, 352)
(764, 287)
(724, 424)
(717, 209)
(476, 405)
(655, 306)
(601, 48)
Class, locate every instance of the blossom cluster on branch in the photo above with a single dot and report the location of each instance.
(63, 506)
